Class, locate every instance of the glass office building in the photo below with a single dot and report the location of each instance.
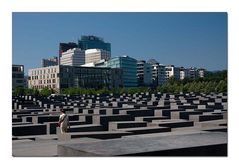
(90, 77)
(17, 76)
(129, 67)
(91, 42)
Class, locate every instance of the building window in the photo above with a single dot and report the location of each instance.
(19, 81)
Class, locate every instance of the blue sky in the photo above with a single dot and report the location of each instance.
(182, 39)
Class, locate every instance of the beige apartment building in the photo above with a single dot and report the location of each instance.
(39, 78)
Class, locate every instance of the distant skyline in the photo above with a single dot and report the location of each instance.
(182, 39)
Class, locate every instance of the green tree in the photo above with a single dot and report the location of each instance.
(19, 91)
(31, 91)
(221, 86)
(46, 91)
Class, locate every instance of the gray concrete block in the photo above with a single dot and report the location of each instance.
(152, 146)
(113, 126)
(34, 129)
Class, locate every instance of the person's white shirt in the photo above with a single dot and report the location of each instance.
(64, 118)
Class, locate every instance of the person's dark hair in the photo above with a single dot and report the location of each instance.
(63, 111)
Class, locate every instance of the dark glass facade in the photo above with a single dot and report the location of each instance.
(63, 47)
(87, 77)
(129, 67)
(17, 76)
(90, 42)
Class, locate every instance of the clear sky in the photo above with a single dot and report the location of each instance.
(181, 39)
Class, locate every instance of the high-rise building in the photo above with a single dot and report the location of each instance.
(154, 68)
(63, 47)
(95, 55)
(192, 73)
(73, 57)
(49, 62)
(158, 72)
(91, 42)
(18, 76)
(184, 73)
(161, 74)
(172, 71)
(144, 73)
(201, 72)
(129, 67)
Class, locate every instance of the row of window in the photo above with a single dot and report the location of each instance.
(43, 81)
(47, 76)
(47, 81)
(43, 86)
(17, 69)
(19, 81)
(17, 75)
(43, 71)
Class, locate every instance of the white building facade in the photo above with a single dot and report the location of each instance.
(73, 57)
(95, 55)
(38, 78)
(184, 73)
(201, 73)
(172, 71)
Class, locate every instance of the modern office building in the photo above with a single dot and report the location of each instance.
(201, 73)
(63, 47)
(144, 73)
(91, 42)
(25, 81)
(95, 55)
(50, 62)
(161, 74)
(87, 77)
(129, 67)
(63, 76)
(18, 76)
(117, 77)
(158, 72)
(192, 73)
(154, 68)
(172, 71)
(73, 57)
(184, 73)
